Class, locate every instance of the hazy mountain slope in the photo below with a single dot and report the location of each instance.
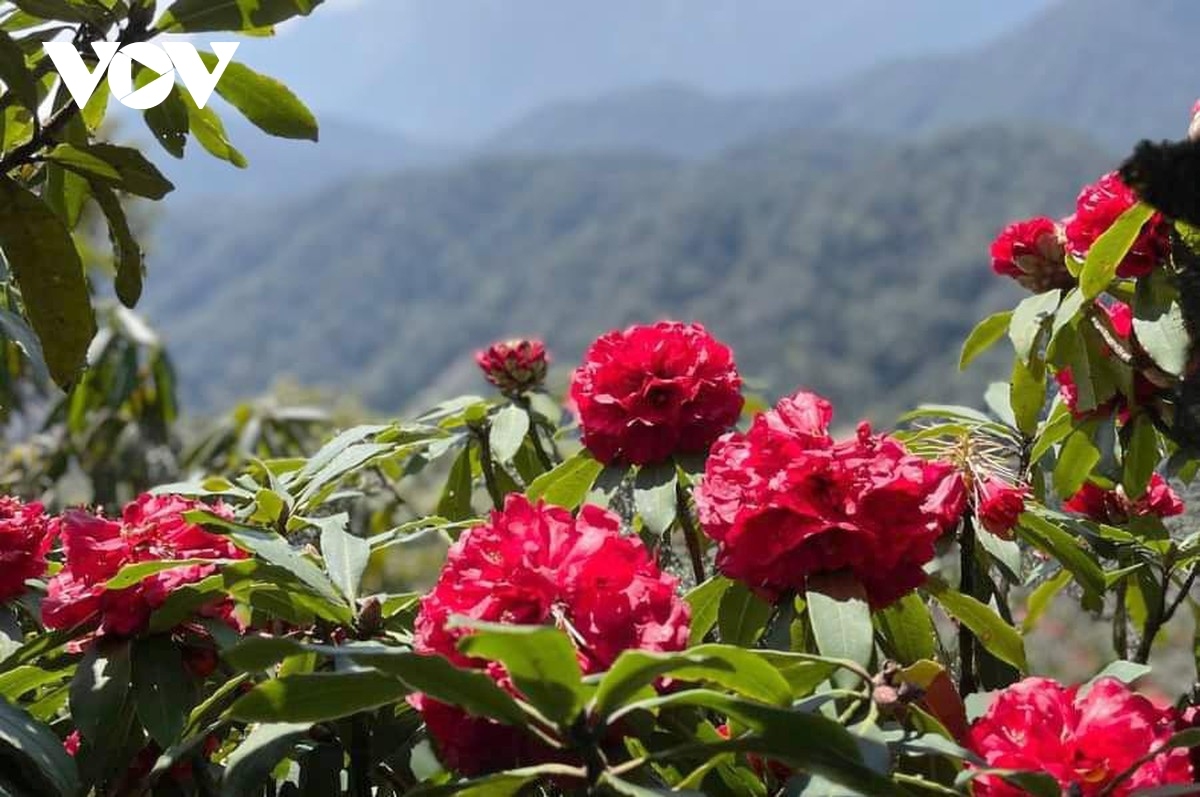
(459, 70)
(1115, 69)
(856, 275)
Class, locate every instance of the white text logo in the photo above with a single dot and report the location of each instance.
(118, 61)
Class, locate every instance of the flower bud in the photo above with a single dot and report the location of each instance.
(1033, 253)
(515, 366)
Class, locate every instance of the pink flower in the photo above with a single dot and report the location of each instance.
(1082, 742)
(784, 501)
(152, 528)
(514, 366)
(538, 565)
(26, 535)
(1098, 207)
(1031, 252)
(1115, 508)
(649, 392)
(999, 505)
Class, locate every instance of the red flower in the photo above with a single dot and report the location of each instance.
(152, 528)
(534, 565)
(784, 501)
(653, 391)
(71, 743)
(26, 535)
(999, 505)
(1098, 207)
(1083, 742)
(1115, 508)
(515, 366)
(1031, 252)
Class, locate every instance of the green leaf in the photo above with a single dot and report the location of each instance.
(1158, 323)
(654, 495)
(1040, 598)
(455, 503)
(1142, 457)
(19, 680)
(133, 173)
(192, 16)
(15, 75)
(1124, 671)
(1029, 320)
(317, 697)
(169, 121)
(742, 616)
(997, 637)
(504, 784)
(36, 754)
(42, 256)
(162, 689)
(908, 629)
(13, 327)
(984, 336)
(209, 130)
(1027, 394)
(251, 763)
(634, 673)
(705, 601)
(840, 616)
(65, 10)
(508, 429)
(1076, 459)
(1066, 548)
(100, 687)
(435, 676)
(1106, 254)
(567, 484)
(127, 254)
(540, 660)
(264, 101)
(346, 555)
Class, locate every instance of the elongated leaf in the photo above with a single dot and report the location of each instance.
(541, 661)
(509, 427)
(251, 763)
(36, 754)
(100, 688)
(192, 16)
(1076, 459)
(984, 336)
(654, 496)
(705, 601)
(318, 697)
(17, 78)
(1106, 254)
(455, 503)
(345, 555)
(742, 616)
(162, 689)
(841, 618)
(134, 173)
(1027, 394)
(127, 254)
(1029, 320)
(1066, 548)
(1142, 457)
(264, 101)
(13, 327)
(168, 120)
(567, 484)
(997, 637)
(908, 628)
(42, 256)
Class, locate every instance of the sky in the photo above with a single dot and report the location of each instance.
(458, 70)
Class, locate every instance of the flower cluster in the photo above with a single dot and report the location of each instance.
(532, 565)
(1114, 507)
(151, 528)
(1085, 742)
(26, 535)
(515, 366)
(784, 501)
(1034, 251)
(999, 505)
(649, 392)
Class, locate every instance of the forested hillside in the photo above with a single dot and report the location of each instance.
(384, 286)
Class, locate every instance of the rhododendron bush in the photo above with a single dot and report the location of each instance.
(654, 582)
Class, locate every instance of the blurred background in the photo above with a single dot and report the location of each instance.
(817, 182)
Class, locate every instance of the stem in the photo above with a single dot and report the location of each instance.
(1121, 623)
(535, 433)
(1162, 614)
(690, 535)
(967, 683)
(488, 467)
(360, 757)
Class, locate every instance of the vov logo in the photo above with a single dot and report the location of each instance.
(118, 61)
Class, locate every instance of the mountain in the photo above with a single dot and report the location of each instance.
(282, 167)
(459, 71)
(1119, 71)
(843, 262)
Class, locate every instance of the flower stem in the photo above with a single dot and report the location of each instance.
(967, 682)
(690, 534)
(360, 757)
(488, 466)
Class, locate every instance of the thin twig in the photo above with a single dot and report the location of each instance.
(690, 535)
